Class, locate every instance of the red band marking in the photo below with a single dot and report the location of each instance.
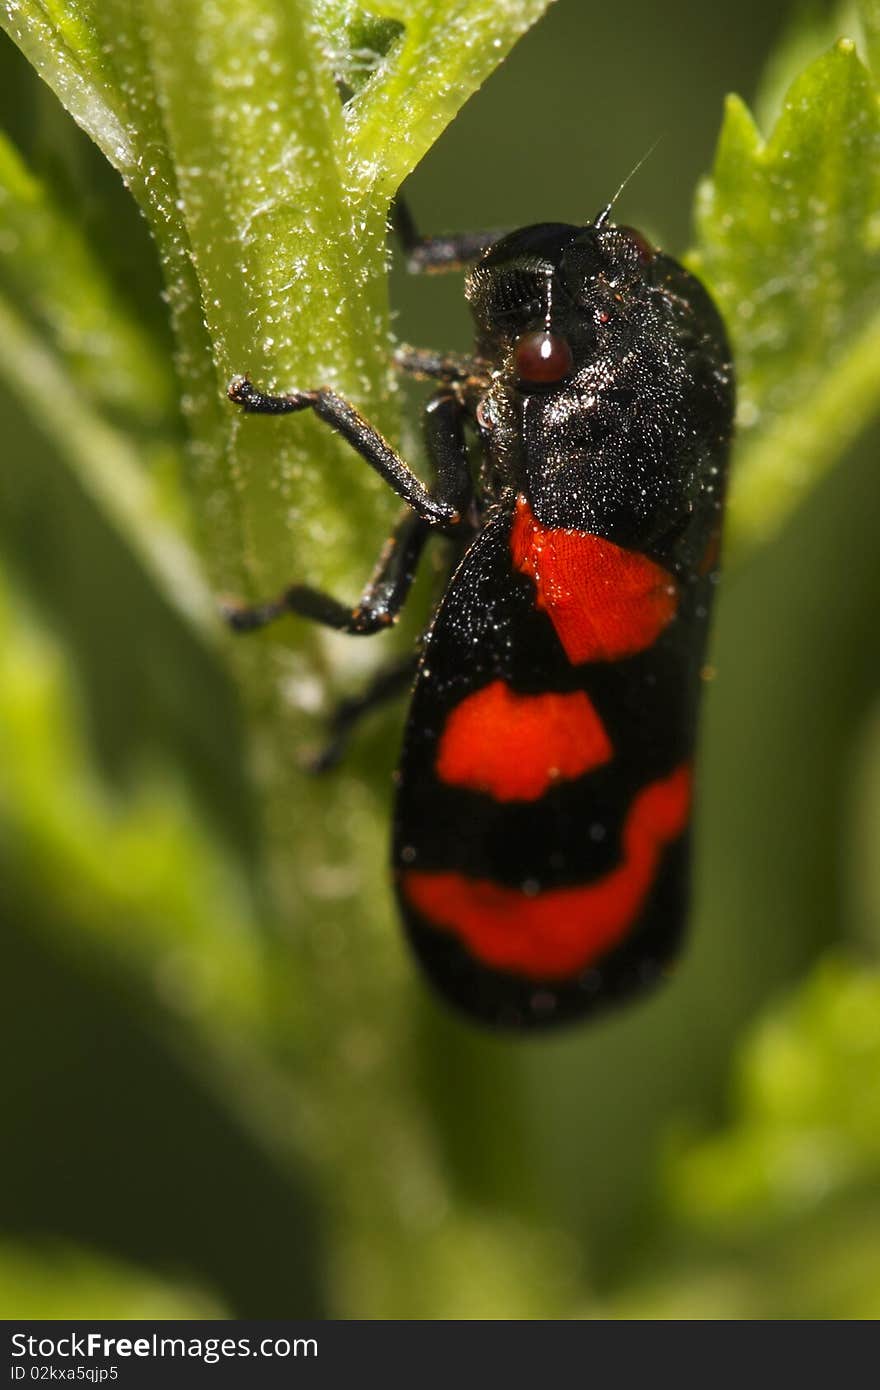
(557, 933)
(514, 747)
(604, 602)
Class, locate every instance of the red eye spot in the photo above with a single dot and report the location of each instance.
(542, 357)
(641, 243)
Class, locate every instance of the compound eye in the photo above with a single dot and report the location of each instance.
(542, 358)
(642, 245)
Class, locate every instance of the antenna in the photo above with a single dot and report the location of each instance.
(606, 211)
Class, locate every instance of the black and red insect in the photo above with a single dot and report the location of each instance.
(545, 783)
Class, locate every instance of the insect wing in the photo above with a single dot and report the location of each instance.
(541, 847)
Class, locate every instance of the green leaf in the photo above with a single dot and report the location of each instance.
(138, 877)
(92, 380)
(813, 28)
(442, 51)
(143, 509)
(69, 1282)
(777, 1216)
(869, 13)
(809, 1121)
(54, 278)
(827, 1267)
(789, 243)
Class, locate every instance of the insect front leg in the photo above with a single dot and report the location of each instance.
(437, 254)
(360, 434)
(386, 592)
(452, 368)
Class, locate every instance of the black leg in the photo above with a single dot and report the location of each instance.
(434, 255)
(427, 365)
(356, 431)
(446, 447)
(379, 605)
(387, 683)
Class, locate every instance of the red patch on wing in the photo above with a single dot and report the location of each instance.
(514, 747)
(604, 602)
(557, 933)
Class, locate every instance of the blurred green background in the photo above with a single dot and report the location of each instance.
(170, 1147)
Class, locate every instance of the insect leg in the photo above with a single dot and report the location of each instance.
(363, 438)
(388, 682)
(379, 604)
(390, 582)
(387, 590)
(446, 447)
(427, 365)
(434, 255)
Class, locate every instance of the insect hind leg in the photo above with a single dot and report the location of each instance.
(388, 682)
(379, 604)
